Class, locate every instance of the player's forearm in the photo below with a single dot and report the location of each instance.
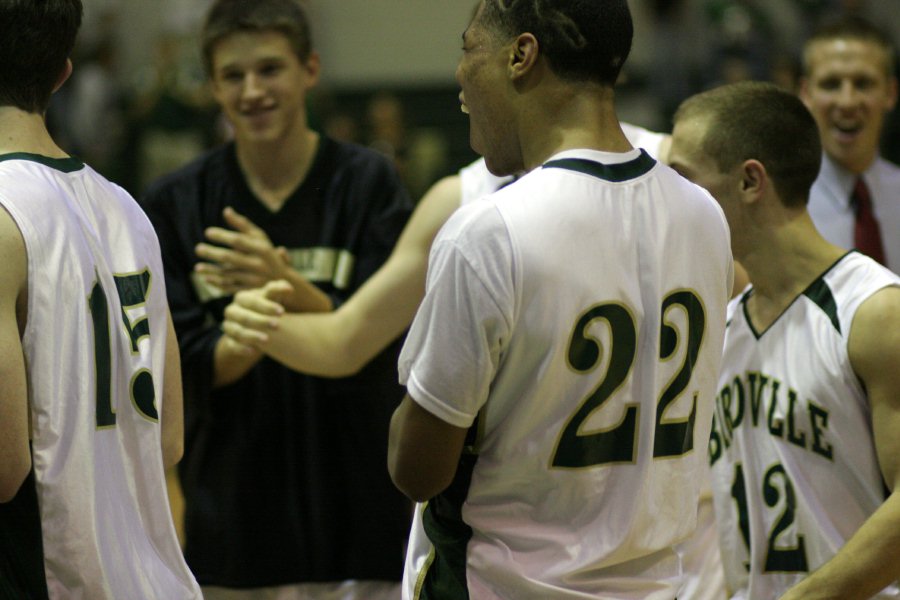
(232, 361)
(325, 345)
(306, 296)
(341, 342)
(864, 566)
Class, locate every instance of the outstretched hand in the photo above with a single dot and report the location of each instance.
(254, 313)
(241, 258)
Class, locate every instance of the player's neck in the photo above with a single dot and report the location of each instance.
(274, 169)
(783, 264)
(26, 132)
(572, 118)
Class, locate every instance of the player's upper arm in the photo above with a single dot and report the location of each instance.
(423, 451)
(15, 456)
(433, 210)
(385, 304)
(402, 278)
(340, 343)
(875, 356)
(172, 417)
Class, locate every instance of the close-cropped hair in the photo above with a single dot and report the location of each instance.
(36, 39)
(583, 40)
(755, 120)
(226, 17)
(850, 28)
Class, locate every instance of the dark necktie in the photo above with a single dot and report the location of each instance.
(866, 235)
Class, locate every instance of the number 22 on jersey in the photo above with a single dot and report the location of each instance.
(132, 292)
(576, 449)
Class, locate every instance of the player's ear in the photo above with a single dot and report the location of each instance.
(523, 55)
(312, 64)
(64, 75)
(753, 180)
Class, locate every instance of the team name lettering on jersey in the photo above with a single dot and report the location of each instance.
(331, 265)
(759, 400)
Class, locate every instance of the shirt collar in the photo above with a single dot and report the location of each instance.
(838, 179)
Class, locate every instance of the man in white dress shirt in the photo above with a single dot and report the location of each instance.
(849, 86)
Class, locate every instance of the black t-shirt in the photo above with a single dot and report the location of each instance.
(284, 474)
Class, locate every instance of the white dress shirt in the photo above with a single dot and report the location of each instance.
(834, 216)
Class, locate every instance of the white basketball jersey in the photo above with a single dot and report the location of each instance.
(599, 283)
(794, 468)
(700, 553)
(95, 346)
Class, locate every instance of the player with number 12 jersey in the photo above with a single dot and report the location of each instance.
(794, 467)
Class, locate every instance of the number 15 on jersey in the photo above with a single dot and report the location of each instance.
(132, 292)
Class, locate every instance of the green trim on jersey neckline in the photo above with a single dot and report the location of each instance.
(818, 292)
(821, 295)
(66, 165)
(615, 173)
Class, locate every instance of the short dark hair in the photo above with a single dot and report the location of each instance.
(851, 28)
(755, 120)
(583, 40)
(36, 39)
(232, 16)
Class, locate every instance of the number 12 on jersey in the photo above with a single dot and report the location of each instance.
(132, 292)
(780, 555)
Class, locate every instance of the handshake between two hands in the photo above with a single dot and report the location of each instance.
(243, 261)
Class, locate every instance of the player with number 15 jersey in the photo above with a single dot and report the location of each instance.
(92, 520)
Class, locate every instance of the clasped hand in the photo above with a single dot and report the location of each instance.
(253, 314)
(240, 259)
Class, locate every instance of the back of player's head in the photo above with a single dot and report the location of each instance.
(36, 39)
(850, 28)
(754, 120)
(226, 17)
(583, 40)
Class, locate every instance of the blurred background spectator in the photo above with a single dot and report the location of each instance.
(173, 116)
